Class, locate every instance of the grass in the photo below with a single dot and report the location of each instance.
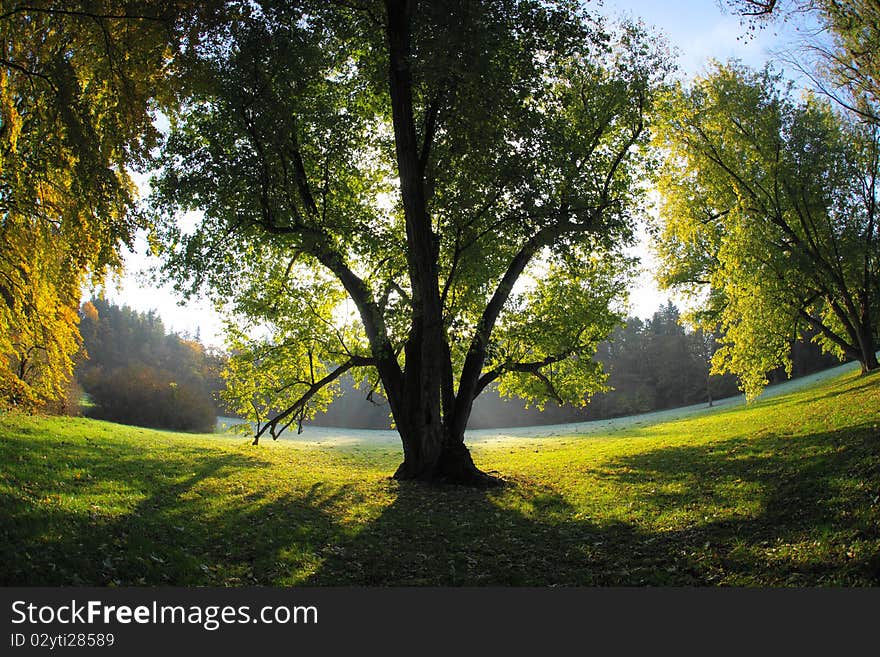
(784, 492)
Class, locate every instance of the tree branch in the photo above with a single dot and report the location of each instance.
(761, 8)
(432, 113)
(818, 324)
(533, 367)
(79, 14)
(29, 73)
(299, 404)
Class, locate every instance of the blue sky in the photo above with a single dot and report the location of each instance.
(699, 30)
(703, 29)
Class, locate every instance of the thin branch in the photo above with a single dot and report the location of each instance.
(356, 7)
(533, 367)
(432, 113)
(79, 14)
(819, 325)
(299, 404)
(29, 73)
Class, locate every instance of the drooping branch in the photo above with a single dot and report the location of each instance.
(318, 244)
(299, 405)
(533, 368)
(819, 325)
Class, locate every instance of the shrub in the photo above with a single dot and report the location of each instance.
(144, 396)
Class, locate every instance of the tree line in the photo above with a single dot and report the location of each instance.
(652, 364)
(134, 372)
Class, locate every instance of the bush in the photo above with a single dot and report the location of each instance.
(147, 397)
(70, 403)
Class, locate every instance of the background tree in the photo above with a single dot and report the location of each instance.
(847, 68)
(658, 364)
(463, 173)
(772, 204)
(136, 373)
(79, 86)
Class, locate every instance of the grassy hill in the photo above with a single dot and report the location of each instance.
(784, 492)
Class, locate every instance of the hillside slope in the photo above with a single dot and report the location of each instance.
(783, 492)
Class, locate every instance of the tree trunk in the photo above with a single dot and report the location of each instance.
(868, 357)
(448, 462)
(431, 451)
(867, 349)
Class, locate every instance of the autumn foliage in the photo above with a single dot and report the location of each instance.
(79, 86)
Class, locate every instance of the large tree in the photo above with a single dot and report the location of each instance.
(770, 211)
(432, 194)
(79, 86)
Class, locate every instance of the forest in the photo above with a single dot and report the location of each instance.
(134, 372)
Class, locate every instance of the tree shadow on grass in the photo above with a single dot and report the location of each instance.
(766, 511)
(773, 510)
(526, 535)
(450, 536)
(176, 534)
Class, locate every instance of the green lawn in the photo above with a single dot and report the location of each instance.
(785, 492)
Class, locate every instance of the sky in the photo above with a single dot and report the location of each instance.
(697, 30)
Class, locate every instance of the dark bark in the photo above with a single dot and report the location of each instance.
(431, 451)
(868, 348)
(452, 464)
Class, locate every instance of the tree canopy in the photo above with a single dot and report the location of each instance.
(770, 217)
(79, 86)
(434, 196)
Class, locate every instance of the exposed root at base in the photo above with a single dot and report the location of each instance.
(453, 467)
